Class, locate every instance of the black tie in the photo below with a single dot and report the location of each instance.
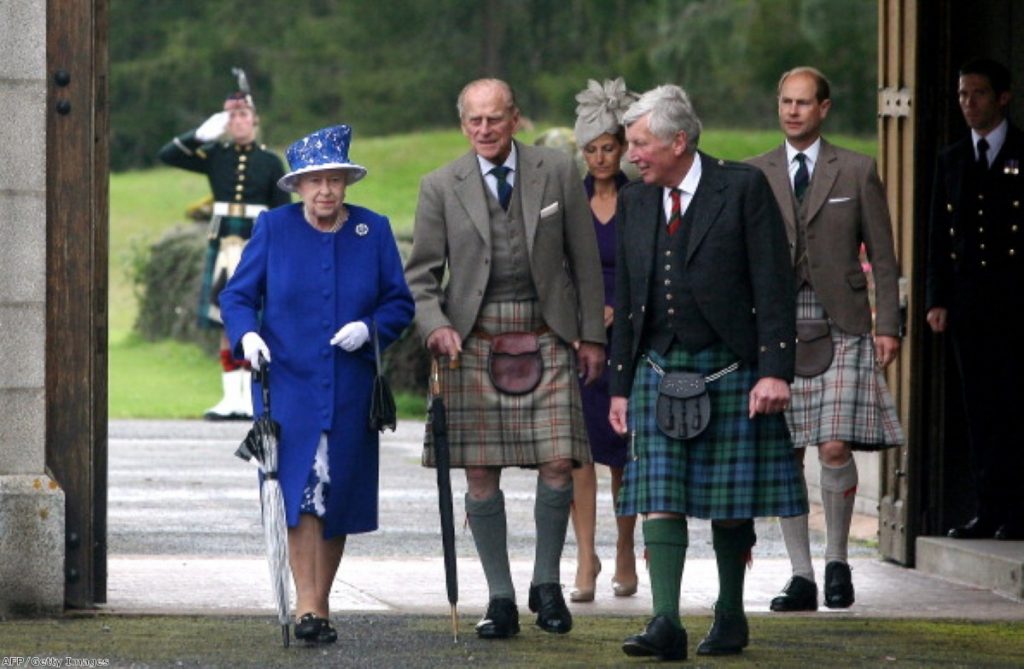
(801, 178)
(504, 189)
(983, 153)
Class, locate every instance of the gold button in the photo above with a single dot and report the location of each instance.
(668, 296)
(239, 187)
(668, 267)
(668, 282)
(668, 254)
(981, 196)
(241, 167)
(1016, 204)
(671, 311)
(763, 349)
(242, 158)
(949, 207)
(241, 177)
(981, 246)
(643, 308)
(1012, 253)
(952, 232)
(952, 256)
(1013, 228)
(618, 367)
(981, 213)
(981, 230)
(984, 264)
(782, 344)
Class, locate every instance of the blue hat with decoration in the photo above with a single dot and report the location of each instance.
(325, 149)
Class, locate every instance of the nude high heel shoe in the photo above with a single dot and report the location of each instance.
(579, 594)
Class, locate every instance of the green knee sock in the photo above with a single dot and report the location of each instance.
(732, 549)
(551, 516)
(666, 540)
(490, 533)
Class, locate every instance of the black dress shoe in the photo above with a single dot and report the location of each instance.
(838, 585)
(661, 639)
(975, 528)
(800, 594)
(552, 614)
(728, 635)
(327, 633)
(1010, 532)
(501, 620)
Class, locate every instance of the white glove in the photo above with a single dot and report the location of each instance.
(213, 127)
(351, 336)
(252, 346)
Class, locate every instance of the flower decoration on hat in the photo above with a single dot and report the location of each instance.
(600, 109)
(325, 149)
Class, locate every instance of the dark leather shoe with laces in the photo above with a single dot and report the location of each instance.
(838, 585)
(799, 594)
(978, 527)
(661, 639)
(501, 620)
(552, 614)
(327, 633)
(728, 635)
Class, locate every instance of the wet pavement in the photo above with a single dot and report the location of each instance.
(184, 537)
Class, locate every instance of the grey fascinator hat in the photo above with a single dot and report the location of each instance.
(600, 108)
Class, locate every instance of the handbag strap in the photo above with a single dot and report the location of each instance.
(714, 376)
(376, 346)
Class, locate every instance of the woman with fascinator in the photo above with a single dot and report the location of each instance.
(314, 281)
(602, 140)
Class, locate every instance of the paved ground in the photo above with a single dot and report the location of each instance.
(184, 537)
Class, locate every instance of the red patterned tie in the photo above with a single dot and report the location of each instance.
(676, 218)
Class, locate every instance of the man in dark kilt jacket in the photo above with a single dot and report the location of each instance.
(243, 179)
(833, 202)
(975, 291)
(703, 286)
(503, 243)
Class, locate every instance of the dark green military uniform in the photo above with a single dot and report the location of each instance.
(243, 179)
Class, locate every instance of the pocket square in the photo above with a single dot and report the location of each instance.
(837, 200)
(549, 210)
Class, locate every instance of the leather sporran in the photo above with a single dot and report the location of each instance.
(683, 409)
(814, 350)
(514, 364)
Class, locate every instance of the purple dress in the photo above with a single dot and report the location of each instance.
(607, 447)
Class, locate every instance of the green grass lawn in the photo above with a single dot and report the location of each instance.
(173, 380)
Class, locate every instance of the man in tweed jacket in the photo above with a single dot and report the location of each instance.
(509, 226)
(833, 203)
(703, 285)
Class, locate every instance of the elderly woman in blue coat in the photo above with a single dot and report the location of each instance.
(313, 281)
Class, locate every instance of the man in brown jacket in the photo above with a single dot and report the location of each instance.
(502, 244)
(833, 203)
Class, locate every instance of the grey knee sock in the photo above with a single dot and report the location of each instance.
(838, 492)
(551, 514)
(490, 534)
(798, 545)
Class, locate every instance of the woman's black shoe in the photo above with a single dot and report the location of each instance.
(308, 627)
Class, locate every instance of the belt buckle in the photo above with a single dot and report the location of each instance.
(236, 210)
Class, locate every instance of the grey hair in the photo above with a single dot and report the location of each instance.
(670, 111)
(510, 96)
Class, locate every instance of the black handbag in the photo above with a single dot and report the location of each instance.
(383, 414)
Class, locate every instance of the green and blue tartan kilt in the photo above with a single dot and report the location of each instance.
(737, 468)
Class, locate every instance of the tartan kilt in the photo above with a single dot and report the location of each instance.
(488, 428)
(737, 468)
(850, 402)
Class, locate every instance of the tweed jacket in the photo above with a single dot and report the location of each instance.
(742, 278)
(844, 207)
(976, 247)
(451, 236)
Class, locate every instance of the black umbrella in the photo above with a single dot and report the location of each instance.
(261, 445)
(439, 430)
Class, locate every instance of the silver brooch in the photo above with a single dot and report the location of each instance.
(362, 229)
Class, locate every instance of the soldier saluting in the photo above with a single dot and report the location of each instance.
(243, 179)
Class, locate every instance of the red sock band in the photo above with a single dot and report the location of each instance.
(227, 361)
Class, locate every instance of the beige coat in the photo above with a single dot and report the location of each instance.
(845, 206)
(449, 266)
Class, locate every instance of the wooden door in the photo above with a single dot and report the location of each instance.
(76, 289)
(897, 95)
